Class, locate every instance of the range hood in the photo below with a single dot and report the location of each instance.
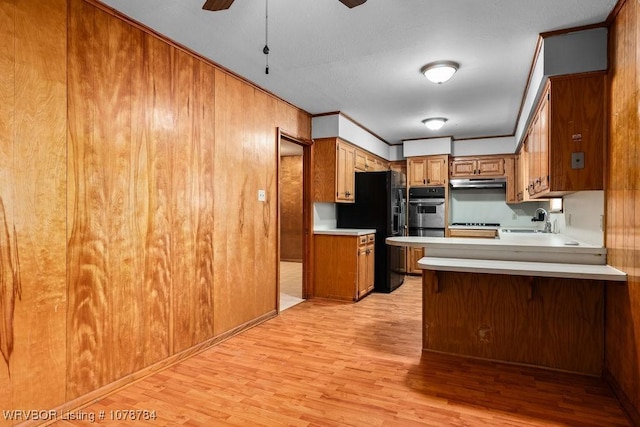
(499, 182)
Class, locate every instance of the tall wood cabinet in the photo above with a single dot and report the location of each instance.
(565, 140)
(344, 266)
(427, 171)
(334, 171)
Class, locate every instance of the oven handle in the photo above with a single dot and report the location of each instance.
(426, 202)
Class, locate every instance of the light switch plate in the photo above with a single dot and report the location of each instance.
(262, 195)
(577, 160)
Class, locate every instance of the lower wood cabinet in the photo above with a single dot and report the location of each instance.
(344, 266)
(473, 232)
(413, 256)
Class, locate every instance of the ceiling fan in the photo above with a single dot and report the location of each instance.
(225, 4)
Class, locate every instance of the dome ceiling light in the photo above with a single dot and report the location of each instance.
(440, 71)
(434, 123)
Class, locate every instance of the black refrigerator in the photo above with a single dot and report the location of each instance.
(380, 203)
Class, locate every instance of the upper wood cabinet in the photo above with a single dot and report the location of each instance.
(334, 170)
(375, 163)
(367, 162)
(361, 161)
(521, 174)
(565, 140)
(428, 171)
(477, 166)
(511, 195)
(400, 166)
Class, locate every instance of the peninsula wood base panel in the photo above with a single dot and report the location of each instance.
(547, 322)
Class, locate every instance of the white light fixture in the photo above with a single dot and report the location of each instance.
(434, 123)
(440, 71)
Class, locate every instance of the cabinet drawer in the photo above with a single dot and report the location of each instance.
(371, 238)
(362, 240)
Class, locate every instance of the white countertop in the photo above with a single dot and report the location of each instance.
(512, 247)
(541, 254)
(345, 231)
(474, 227)
(523, 268)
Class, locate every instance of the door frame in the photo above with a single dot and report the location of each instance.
(307, 213)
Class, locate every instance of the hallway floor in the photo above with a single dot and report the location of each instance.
(290, 284)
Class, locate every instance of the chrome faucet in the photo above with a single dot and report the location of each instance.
(542, 215)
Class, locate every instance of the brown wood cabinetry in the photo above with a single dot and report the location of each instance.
(334, 170)
(344, 266)
(413, 256)
(361, 161)
(377, 164)
(474, 167)
(522, 174)
(367, 162)
(473, 232)
(366, 264)
(428, 170)
(565, 140)
(511, 195)
(335, 163)
(400, 166)
(551, 322)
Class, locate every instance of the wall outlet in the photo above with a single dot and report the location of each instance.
(568, 219)
(577, 160)
(262, 195)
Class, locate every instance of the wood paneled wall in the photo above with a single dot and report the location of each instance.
(291, 229)
(623, 204)
(32, 204)
(131, 229)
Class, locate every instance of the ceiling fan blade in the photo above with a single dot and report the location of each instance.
(352, 3)
(217, 4)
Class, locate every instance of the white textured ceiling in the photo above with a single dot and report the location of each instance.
(365, 61)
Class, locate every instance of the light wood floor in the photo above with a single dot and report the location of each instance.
(290, 284)
(324, 363)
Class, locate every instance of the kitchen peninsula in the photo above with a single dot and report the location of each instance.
(534, 299)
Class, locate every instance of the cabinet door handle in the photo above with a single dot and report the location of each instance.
(347, 194)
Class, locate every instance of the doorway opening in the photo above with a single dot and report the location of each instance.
(293, 197)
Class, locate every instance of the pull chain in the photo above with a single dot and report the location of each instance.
(265, 50)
